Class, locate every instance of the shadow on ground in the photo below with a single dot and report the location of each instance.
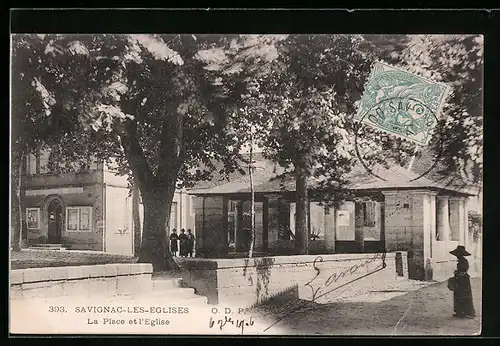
(427, 311)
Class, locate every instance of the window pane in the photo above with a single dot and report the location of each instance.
(84, 219)
(44, 161)
(72, 219)
(32, 218)
(317, 214)
(31, 164)
(344, 220)
(369, 213)
(372, 230)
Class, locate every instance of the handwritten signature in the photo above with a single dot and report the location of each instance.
(238, 323)
(334, 278)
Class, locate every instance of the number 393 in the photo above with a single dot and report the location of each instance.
(57, 309)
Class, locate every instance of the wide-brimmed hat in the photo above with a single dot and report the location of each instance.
(460, 251)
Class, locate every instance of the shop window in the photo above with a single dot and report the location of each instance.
(78, 219)
(33, 218)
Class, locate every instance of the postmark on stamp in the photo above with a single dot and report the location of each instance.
(401, 103)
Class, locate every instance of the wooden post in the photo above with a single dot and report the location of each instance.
(359, 226)
(239, 223)
(225, 226)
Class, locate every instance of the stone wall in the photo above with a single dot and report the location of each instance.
(108, 279)
(408, 222)
(214, 241)
(119, 235)
(246, 282)
(428, 226)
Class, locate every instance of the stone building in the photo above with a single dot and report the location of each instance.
(89, 209)
(396, 213)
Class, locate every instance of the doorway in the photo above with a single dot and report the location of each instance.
(55, 222)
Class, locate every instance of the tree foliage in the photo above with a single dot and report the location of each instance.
(303, 103)
(142, 103)
(164, 108)
(456, 60)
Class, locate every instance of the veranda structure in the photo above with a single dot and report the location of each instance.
(420, 216)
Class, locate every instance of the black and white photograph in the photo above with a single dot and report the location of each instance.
(246, 184)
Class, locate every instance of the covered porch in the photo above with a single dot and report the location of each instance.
(402, 212)
(223, 225)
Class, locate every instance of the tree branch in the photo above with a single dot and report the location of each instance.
(134, 152)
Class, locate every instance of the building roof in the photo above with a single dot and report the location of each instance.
(430, 165)
(265, 181)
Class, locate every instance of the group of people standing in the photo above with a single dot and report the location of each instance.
(182, 244)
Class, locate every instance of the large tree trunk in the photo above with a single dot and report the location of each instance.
(136, 219)
(157, 190)
(154, 248)
(17, 200)
(301, 200)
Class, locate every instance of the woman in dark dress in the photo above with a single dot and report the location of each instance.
(173, 242)
(190, 244)
(183, 243)
(462, 294)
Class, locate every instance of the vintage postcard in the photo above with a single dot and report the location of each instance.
(256, 184)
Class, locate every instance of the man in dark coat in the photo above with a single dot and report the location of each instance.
(190, 243)
(183, 243)
(173, 242)
(462, 293)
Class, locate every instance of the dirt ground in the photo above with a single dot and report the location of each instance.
(46, 258)
(424, 311)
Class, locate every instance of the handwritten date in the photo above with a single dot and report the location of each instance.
(227, 320)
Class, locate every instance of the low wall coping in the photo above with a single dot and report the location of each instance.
(20, 276)
(216, 263)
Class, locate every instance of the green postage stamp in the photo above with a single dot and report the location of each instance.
(401, 103)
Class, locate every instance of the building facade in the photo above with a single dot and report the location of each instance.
(86, 210)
